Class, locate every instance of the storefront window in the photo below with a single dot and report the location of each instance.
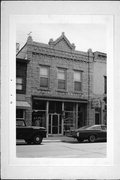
(39, 105)
(55, 107)
(39, 118)
(97, 115)
(69, 116)
(68, 106)
(39, 113)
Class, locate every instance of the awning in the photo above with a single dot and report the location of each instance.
(61, 99)
(22, 104)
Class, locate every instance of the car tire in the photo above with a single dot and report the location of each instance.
(79, 140)
(92, 138)
(37, 139)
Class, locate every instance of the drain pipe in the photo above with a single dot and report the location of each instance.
(89, 53)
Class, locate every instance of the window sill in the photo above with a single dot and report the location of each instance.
(77, 92)
(20, 91)
(44, 89)
(63, 91)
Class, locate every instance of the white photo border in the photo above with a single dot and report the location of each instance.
(37, 167)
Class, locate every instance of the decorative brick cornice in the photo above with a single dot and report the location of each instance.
(81, 56)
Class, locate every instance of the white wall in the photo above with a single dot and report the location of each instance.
(98, 77)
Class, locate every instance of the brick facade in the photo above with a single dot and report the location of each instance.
(59, 54)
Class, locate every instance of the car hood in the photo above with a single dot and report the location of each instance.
(77, 130)
(80, 129)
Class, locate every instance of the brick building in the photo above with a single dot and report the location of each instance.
(54, 85)
(100, 87)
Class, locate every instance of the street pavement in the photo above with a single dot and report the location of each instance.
(61, 147)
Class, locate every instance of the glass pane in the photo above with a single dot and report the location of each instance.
(60, 120)
(39, 104)
(19, 80)
(19, 87)
(49, 124)
(55, 124)
(43, 82)
(61, 84)
(61, 75)
(60, 130)
(54, 130)
(55, 120)
(68, 106)
(19, 113)
(77, 86)
(44, 71)
(77, 76)
(55, 106)
(39, 118)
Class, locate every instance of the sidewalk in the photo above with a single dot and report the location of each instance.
(57, 139)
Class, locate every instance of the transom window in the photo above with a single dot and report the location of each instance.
(61, 78)
(19, 83)
(44, 76)
(77, 80)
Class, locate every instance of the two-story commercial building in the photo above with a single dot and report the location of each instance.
(99, 101)
(54, 85)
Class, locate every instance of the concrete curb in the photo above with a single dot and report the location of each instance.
(50, 140)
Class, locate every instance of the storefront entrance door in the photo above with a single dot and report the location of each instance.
(55, 124)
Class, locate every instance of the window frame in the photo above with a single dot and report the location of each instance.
(81, 74)
(21, 72)
(105, 84)
(22, 84)
(65, 79)
(48, 76)
(19, 118)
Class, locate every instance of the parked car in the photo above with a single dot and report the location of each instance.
(90, 133)
(31, 134)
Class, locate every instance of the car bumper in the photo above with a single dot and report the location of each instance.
(71, 134)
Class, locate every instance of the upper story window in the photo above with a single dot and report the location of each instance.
(77, 80)
(19, 83)
(61, 79)
(21, 73)
(44, 76)
(105, 84)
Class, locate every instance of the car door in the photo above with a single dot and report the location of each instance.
(24, 132)
(101, 133)
(97, 131)
(20, 132)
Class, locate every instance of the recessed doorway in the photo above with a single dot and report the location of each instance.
(55, 124)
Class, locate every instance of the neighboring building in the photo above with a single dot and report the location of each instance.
(54, 85)
(100, 87)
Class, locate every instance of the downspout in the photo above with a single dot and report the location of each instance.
(89, 53)
(88, 87)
